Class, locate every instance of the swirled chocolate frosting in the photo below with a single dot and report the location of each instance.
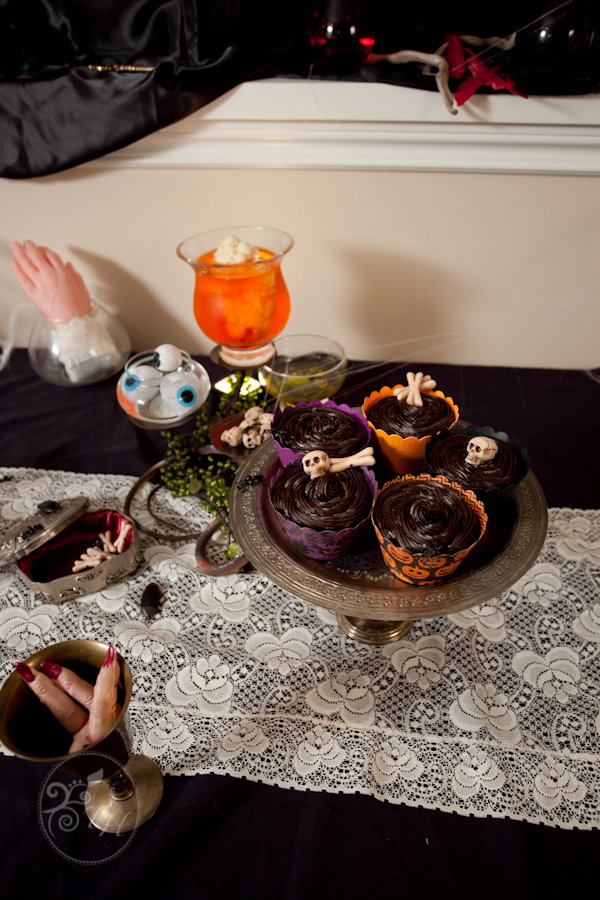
(447, 457)
(321, 428)
(332, 501)
(399, 417)
(426, 517)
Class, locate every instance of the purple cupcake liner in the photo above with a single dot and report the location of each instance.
(287, 456)
(494, 497)
(323, 544)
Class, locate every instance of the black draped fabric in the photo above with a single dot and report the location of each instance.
(56, 112)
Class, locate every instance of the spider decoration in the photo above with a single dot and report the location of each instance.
(29, 532)
(249, 481)
(434, 548)
(281, 436)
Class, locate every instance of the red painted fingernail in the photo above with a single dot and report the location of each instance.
(25, 672)
(52, 670)
(109, 657)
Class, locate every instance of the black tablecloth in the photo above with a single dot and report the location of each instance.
(220, 838)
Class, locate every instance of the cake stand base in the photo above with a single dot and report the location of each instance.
(373, 631)
(119, 816)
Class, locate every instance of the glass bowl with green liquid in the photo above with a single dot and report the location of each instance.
(306, 367)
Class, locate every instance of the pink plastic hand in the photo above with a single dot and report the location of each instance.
(58, 688)
(58, 290)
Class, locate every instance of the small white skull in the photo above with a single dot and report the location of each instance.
(252, 415)
(232, 436)
(315, 463)
(480, 449)
(251, 438)
(265, 422)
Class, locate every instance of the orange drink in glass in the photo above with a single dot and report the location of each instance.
(240, 306)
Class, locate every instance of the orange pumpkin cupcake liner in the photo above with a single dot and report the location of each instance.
(426, 568)
(399, 454)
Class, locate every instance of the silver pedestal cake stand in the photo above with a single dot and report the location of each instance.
(371, 604)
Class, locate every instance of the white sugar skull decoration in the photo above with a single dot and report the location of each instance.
(252, 415)
(251, 438)
(316, 463)
(254, 428)
(480, 449)
(232, 436)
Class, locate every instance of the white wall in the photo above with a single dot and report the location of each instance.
(496, 269)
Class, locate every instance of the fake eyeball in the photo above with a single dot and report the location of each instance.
(183, 392)
(167, 357)
(141, 383)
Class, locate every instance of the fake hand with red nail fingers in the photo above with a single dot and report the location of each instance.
(62, 691)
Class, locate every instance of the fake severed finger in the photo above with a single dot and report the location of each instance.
(103, 709)
(80, 690)
(62, 707)
(124, 531)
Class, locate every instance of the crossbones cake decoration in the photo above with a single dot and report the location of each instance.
(416, 384)
(317, 462)
(480, 449)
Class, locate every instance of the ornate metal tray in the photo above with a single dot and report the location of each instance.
(359, 585)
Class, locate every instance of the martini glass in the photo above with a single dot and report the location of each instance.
(243, 306)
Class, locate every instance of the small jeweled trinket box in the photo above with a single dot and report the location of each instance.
(64, 551)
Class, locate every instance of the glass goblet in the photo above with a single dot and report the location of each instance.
(130, 788)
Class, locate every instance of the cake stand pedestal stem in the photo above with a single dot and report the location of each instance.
(373, 631)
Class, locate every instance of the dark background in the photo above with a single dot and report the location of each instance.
(554, 413)
(56, 113)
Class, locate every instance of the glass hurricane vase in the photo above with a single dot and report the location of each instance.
(243, 306)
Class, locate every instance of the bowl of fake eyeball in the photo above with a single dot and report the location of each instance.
(162, 388)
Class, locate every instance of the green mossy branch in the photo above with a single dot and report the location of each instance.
(208, 478)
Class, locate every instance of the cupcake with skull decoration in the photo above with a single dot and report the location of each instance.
(482, 460)
(333, 428)
(323, 503)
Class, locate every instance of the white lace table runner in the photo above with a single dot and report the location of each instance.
(490, 712)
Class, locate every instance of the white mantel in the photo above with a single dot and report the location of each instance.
(356, 125)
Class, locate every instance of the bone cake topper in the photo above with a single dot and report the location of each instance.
(317, 462)
(416, 384)
(94, 556)
(480, 449)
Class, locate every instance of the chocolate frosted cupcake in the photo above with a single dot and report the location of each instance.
(403, 420)
(322, 516)
(426, 526)
(337, 430)
(480, 459)
(398, 417)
